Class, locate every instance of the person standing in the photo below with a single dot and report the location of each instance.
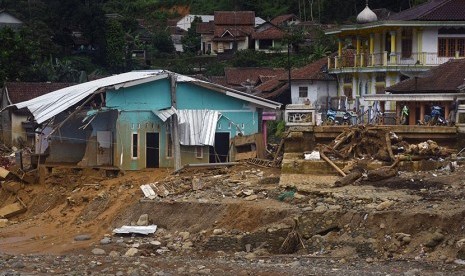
(454, 105)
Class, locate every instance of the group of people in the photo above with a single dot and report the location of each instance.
(436, 115)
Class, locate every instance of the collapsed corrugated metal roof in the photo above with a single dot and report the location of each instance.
(164, 114)
(51, 104)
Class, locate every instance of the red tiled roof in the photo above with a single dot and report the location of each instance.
(236, 31)
(175, 30)
(263, 78)
(234, 18)
(271, 89)
(278, 20)
(444, 78)
(434, 10)
(269, 85)
(205, 27)
(271, 33)
(237, 76)
(221, 80)
(312, 71)
(277, 85)
(24, 91)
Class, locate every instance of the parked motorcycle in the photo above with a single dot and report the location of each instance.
(332, 119)
(435, 119)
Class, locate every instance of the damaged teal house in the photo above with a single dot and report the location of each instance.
(136, 120)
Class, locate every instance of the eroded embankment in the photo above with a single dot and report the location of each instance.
(342, 233)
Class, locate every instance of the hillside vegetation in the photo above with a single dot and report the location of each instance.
(43, 49)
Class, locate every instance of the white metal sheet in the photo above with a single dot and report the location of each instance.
(164, 114)
(198, 128)
(144, 230)
(49, 105)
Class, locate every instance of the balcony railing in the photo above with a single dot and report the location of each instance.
(386, 59)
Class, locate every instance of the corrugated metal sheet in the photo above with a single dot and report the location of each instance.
(198, 128)
(49, 105)
(164, 114)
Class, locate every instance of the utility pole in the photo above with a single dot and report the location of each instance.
(175, 125)
(289, 69)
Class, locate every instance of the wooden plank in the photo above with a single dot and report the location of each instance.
(12, 210)
(4, 173)
(246, 155)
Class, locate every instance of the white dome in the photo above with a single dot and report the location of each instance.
(366, 16)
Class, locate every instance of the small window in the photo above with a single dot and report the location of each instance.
(229, 126)
(135, 145)
(407, 38)
(219, 125)
(303, 92)
(169, 146)
(199, 152)
(447, 47)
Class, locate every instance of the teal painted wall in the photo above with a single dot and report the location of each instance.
(148, 96)
(136, 103)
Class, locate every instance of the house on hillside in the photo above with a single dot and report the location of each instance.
(206, 31)
(232, 31)
(313, 90)
(178, 28)
(286, 20)
(8, 20)
(131, 120)
(186, 22)
(440, 86)
(269, 38)
(375, 54)
(16, 128)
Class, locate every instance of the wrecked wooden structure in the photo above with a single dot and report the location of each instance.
(143, 119)
(341, 149)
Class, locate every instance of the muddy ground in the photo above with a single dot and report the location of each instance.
(241, 220)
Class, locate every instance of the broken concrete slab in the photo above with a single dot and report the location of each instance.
(148, 191)
(12, 210)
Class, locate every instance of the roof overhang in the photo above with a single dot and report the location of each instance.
(377, 24)
(258, 101)
(423, 97)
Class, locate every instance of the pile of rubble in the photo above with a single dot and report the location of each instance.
(211, 184)
(376, 143)
(380, 144)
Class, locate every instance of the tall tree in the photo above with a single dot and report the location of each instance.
(115, 48)
(18, 55)
(191, 41)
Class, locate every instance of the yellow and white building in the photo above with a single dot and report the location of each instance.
(374, 54)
